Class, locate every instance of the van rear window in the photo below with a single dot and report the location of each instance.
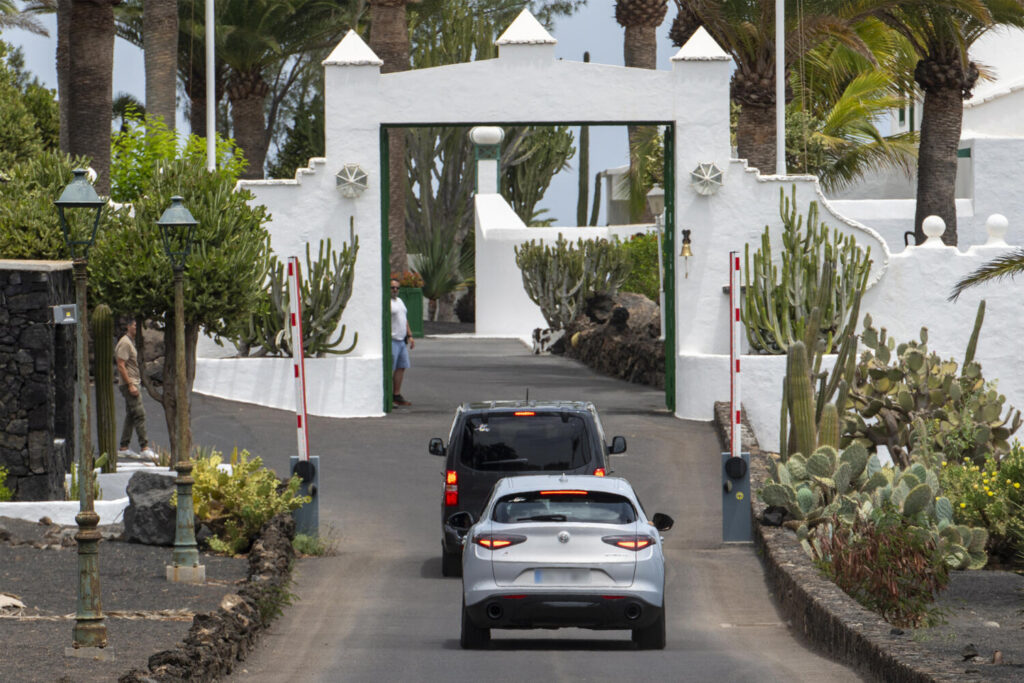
(526, 443)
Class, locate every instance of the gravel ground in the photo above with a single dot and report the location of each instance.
(984, 614)
(133, 589)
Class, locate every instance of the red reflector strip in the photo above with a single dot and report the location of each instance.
(451, 498)
(513, 597)
(524, 413)
(564, 493)
(613, 597)
(599, 472)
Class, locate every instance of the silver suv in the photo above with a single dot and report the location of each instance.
(555, 551)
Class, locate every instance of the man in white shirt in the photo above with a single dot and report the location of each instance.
(401, 343)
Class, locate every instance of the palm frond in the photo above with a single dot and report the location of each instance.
(1007, 265)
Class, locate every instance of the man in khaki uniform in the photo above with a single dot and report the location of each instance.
(130, 380)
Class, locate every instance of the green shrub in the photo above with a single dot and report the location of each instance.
(314, 546)
(642, 254)
(237, 505)
(5, 493)
(887, 566)
(990, 496)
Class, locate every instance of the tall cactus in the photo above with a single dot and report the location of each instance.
(102, 323)
(781, 291)
(583, 179)
(800, 394)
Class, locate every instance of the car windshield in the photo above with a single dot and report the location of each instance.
(564, 506)
(525, 443)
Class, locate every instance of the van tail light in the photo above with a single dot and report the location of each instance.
(498, 541)
(451, 488)
(633, 543)
(599, 472)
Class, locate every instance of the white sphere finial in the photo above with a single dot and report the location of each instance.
(996, 226)
(486, 135)
(933, 227)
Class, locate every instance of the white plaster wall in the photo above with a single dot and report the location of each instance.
(503, 308)
(335, 387)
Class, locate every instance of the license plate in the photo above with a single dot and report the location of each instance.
(561, 576)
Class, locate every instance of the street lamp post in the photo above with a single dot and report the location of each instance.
(90, 631)
(656, 204)
(178, 227)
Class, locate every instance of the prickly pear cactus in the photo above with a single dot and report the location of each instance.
(906, 398)
(101, 321)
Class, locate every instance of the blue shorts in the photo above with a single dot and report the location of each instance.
(399, 354)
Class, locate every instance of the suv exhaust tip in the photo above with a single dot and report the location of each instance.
(633, 611)
(494, 611)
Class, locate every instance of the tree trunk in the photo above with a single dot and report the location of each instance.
(248, 94)
(169, 394)
(160, 42)
(640, 50)
(91, 59)
(755, 136)
(389, 39)
(63, 69)
(936, 161)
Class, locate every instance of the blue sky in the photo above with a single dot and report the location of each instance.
(593, 28)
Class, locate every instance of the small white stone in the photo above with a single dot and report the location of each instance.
(992, 624)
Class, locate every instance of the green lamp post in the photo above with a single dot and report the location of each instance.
(77, 207)
(178, 226)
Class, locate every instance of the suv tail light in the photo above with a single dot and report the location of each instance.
(633, 543)
(496, 541)
(451, 488)
(599, 472)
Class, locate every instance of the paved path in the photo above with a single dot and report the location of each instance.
(380, 609)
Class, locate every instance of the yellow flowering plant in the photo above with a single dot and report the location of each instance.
(990, 495)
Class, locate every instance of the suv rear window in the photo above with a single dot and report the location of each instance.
(564, 506)
(529, 443)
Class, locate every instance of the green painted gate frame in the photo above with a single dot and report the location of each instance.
(668, 241)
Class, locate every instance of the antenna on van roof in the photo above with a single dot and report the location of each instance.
(527, 394)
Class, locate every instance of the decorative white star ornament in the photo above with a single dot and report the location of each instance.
(352, 181)
(706, 179)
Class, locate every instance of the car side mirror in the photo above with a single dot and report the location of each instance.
(460, 523)
(618, 445)
(436, 446)
(662, 522)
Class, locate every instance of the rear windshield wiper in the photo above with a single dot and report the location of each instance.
(543, 518)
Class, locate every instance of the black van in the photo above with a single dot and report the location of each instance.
(495, 439)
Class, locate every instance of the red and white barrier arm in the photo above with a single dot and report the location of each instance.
(298, 357)
(735, 406)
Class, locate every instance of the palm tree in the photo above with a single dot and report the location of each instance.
(941, 32)
(91, 61)
(389, 38)
(746, 30)
(641, 19)
(160, 43)
(838, 97)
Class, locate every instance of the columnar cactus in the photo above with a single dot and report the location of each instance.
(102, 324)
(561, 278)
(780, 295)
